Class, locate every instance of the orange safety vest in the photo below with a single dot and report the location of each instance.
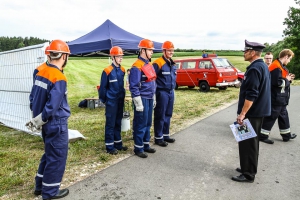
(146, 68)
(277, 64)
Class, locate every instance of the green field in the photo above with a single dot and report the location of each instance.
(20, 152)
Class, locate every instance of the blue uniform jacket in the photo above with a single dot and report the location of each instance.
(256, 88)
(166, 73)
(112, 83)
(49, 94)
(137, 81)
(280, 96)
(36, 70)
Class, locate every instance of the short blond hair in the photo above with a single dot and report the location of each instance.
(286, 52)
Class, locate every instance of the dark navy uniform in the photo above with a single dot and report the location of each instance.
(112, 93)
(166, 82)
(142, 121)
(36, 70)
(256, 89)
(49, 97)
(280, 93)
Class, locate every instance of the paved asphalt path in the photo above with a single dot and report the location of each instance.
(200, 164)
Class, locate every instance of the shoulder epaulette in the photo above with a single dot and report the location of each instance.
(52, 74)
(123, 69)
(108, 69)
(42, 66)
(138, 64)
(160, 62)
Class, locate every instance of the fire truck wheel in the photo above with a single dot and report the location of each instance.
(204, 87)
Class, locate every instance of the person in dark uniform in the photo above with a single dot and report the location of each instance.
(142, 87)
(268, 58)
(255, 104)
(165, 69)
(112, 94)
(280, 93)
(51, 112)
(39, 68)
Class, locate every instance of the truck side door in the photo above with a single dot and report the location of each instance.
(206, 72)
(188, 73)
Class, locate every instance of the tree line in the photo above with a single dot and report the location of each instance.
(291, 39)
(10, 43)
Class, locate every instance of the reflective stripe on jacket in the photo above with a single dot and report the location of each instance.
(137, 81)
(112, 83)
(166, 73)
(280, 86)
(49, 94)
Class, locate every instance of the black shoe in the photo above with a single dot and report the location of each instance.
(170, 140)
(268, 141)
(61, 194)
(142, 154)
(162, 143)
(113, 152)
(238, 170)
(150, 150)
(124, 148)
(37, 192)
(241, 178)
(293, 136)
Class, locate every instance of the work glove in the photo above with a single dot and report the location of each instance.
(35, 124)
(138, 104)
(154, 101)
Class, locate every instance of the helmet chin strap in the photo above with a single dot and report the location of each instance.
(147, 55)
(118, 64)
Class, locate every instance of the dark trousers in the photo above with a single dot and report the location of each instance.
(114, 115)
(162, 114)
(53, 162)
(280, 114)
(249, 150)
(142, 122)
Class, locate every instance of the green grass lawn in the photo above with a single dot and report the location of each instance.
(20, 152)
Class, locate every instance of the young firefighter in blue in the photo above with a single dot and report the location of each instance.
(142, 87)
(39, 68)
(112, 93)
(51, 112)
(166, 81)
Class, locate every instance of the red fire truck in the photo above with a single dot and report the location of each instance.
(211, 71)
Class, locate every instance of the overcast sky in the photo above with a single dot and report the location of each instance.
(196, 24)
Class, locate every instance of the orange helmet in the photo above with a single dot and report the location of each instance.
(46, 50)
(59, 46)
(167, 45)
(116, 51)
(146, 44)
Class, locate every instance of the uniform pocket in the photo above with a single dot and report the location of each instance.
(61, 139)
(282, 98)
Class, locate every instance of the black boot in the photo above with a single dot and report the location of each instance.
(60, 194)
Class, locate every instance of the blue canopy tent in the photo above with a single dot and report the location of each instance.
(107, 35)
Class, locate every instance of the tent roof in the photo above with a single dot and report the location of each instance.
(106, 36)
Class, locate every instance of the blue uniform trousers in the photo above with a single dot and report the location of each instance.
(53, 162)
(114, 115)
(162, 114)
(141, 126)
(280, 114)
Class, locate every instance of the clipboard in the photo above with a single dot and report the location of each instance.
(242, 132)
